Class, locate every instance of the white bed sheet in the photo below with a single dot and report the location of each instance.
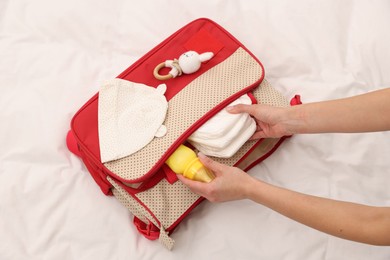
(54, 55)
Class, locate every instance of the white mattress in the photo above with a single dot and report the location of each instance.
(55, 54)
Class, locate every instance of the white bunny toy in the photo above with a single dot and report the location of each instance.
(189, 62)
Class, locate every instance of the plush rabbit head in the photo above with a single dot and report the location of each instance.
(190, 61)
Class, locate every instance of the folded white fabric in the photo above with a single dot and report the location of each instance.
(130, 115)
(225, 133)
(232, 147)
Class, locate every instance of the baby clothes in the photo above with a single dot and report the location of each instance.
(130, 115)
(225, 133)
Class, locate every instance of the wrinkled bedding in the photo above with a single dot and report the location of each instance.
(55, 54)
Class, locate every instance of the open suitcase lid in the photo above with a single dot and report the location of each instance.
(192, 98)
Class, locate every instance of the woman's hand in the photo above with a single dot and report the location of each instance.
(230, 183)
(347, 220)
(272, 122)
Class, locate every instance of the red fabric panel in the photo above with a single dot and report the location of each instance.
(173, 47)
(203, 41)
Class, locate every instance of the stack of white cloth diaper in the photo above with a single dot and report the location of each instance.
(224, 134)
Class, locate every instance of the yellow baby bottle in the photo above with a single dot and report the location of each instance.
(184, 161)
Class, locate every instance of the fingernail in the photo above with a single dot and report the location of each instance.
(200, 154)
(229, 108)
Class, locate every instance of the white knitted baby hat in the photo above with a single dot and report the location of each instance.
(130, 115)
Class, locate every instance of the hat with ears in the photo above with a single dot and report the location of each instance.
(130, 115)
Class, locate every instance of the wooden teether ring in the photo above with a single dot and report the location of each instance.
(157, 74)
